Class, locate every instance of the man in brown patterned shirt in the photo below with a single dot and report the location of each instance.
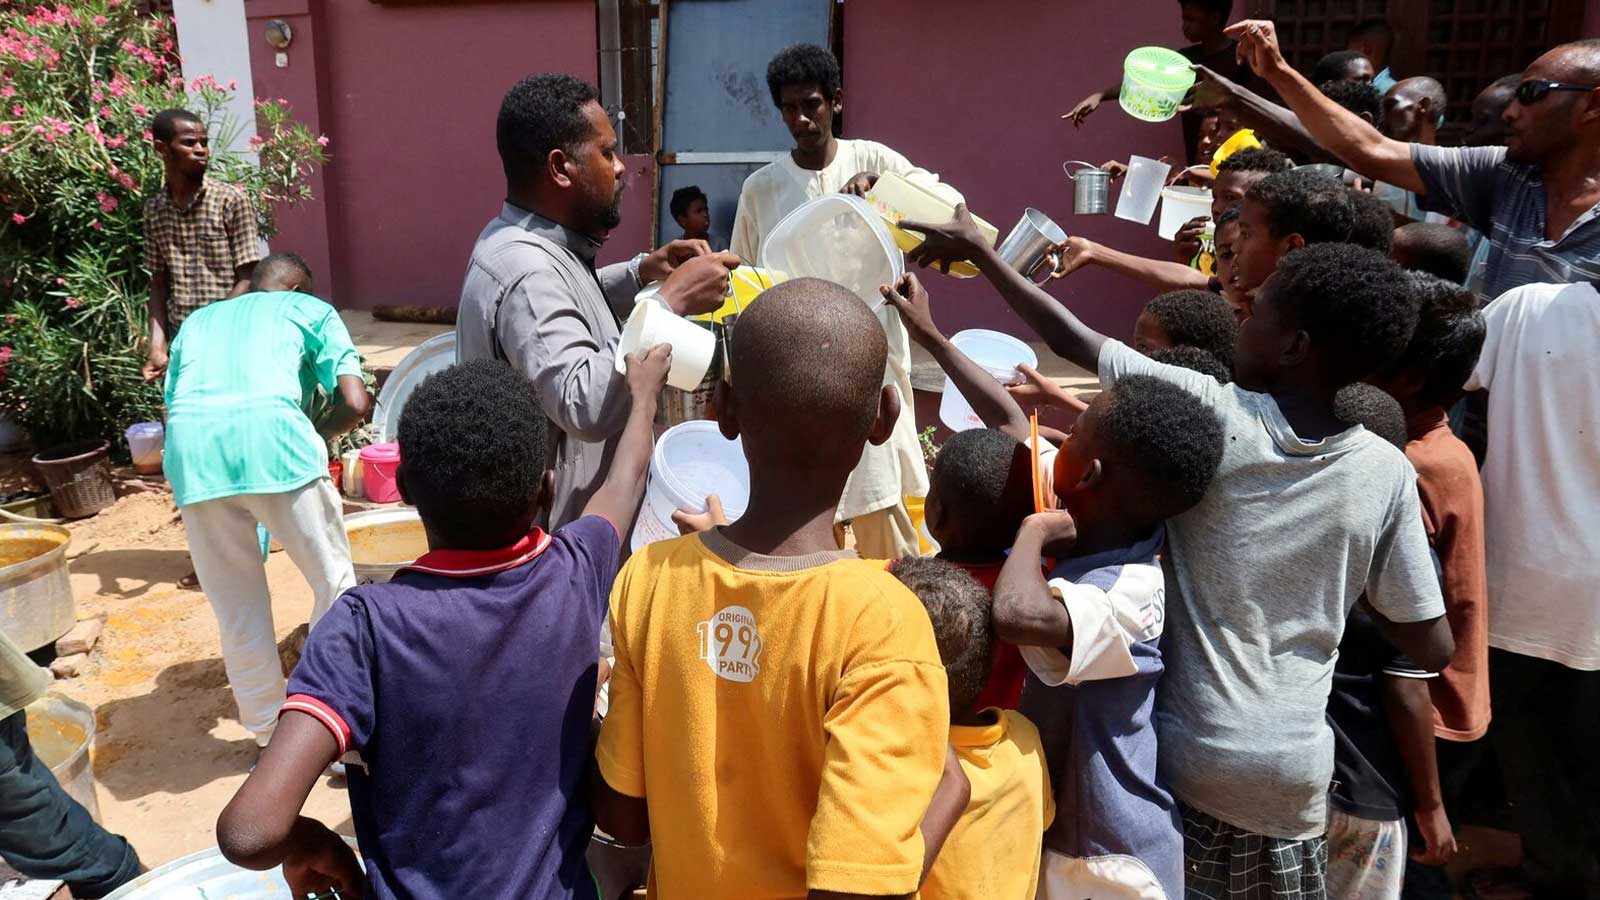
(200, 241)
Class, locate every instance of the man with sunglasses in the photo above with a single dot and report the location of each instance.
(1537, 197)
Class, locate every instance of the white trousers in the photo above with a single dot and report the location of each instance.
(309, 522)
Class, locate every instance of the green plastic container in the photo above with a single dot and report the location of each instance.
(1154, 82)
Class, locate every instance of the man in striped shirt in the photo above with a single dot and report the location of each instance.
(1537, 198)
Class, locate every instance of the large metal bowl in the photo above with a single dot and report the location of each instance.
(35, 594)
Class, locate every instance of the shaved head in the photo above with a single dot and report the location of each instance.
(807, 368)
(1414, 109)
(1578, 61)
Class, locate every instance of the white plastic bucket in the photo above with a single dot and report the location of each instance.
(384, 541)
(1141, 188)
(145, 443)
(693, 345)
(839, 238)
(999, 354)
(691, 461)
(1179, 205)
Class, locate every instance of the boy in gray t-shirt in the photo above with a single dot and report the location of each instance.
(1303, 515)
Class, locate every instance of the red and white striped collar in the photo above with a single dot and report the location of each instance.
(472, 563)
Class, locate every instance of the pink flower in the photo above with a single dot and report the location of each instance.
(257, 140)
(148, 135)
(233, 85)
(97, 226)
(108, 203)
(177, 82)
(118, 88)
(129, 183)
(118, 141)
(322, 140)
(100, 20)
(105, 112)
(60, 281)
(8, 91)
(18, 110)
(5, 130)
(114, 3)
(140, 110)
(72, 302)
(18, 218)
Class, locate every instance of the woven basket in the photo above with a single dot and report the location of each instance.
(78, 476)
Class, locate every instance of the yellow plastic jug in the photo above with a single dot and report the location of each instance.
(896, 199)
(745, 284)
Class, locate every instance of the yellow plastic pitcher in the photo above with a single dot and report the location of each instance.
(896, 199)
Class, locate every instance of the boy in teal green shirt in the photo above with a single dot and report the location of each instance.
(240, 452)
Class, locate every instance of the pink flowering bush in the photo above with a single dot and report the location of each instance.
(79, 82)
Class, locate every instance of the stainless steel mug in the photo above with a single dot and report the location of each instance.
(1091, 188)
(1032, 244)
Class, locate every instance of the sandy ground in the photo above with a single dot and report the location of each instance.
(169, 752)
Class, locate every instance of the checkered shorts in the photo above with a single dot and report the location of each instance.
(1220, 862)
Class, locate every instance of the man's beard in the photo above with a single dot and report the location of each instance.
(612, 216)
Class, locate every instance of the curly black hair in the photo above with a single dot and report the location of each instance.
(472, 454)
(1448, 339)
(682, 197)
(1372, 408)
(164, 124)
(1334, 66)
(1304, 202)
(983, 480)
(1170, 439)
(803, 64)
(1356, 305)
(1372, 221)
(1200, 319)
(277, 266)
(539, 114)
(960, 609)
(1359, 97)
(1256, 159)
(1194, 358)
(1434, 248)
(1231, 214)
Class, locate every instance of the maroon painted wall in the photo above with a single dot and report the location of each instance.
(975, 91)
(407, 96)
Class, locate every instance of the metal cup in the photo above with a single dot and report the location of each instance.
(1091, 188)
(1032, 244)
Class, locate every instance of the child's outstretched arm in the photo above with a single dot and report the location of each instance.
(959, 240)
(1025, 610)
(618, 498)
(988, 398)
(262, 826)
(1409, 709)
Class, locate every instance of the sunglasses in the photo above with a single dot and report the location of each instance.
(1535, 89)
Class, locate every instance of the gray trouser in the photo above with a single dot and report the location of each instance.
(46, 834)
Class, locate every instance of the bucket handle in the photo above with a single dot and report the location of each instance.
(1079, 162)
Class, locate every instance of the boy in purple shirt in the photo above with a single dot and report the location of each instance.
(456, 792)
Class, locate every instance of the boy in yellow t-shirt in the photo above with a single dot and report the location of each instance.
(993, 851)
(778, 712)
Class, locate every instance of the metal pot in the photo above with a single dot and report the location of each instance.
(35, 594)
(61, 731)
(1032, 244)
(1091, 188)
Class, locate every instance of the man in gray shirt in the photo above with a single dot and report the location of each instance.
(533, 296)
(1537, 199)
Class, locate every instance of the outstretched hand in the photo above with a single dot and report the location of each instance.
(694, 523)
(957, 240)
(1258, 45)
(1037, 390)
(910, 299)
(648, 369)
(1085, 106)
